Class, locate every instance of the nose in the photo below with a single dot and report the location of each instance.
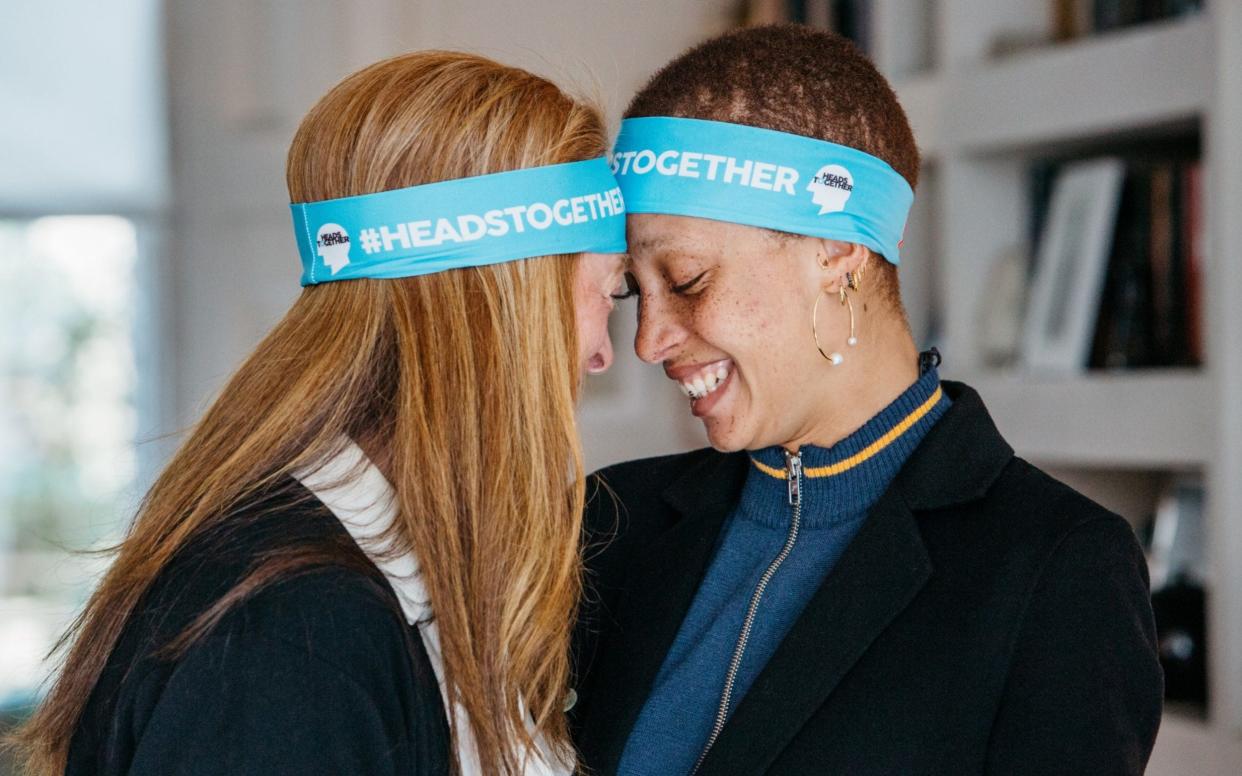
(659, 333)
(601, 359)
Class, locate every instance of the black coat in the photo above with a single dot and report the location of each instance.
(316, 674)
(986, 619)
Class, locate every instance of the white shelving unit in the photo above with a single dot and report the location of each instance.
(980, 121)
(1114, 419)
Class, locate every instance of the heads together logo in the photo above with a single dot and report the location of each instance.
(333, 246)
(830, 187)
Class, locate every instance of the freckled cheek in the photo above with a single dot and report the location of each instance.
(738, 327)
(752, 318)
(763, 319)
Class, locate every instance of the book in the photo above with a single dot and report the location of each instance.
(1122, 333)
(1072, 19)
(850, 18)
(1149, 312)
(1192, 245)
(1163, 282)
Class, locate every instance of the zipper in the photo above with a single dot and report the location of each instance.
(793, 478)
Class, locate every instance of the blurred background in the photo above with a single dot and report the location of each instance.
(145, 249)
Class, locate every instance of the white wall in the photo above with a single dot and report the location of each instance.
(81, 85)
(242, 74)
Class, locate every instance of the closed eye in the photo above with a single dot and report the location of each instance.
(689, 284)
(631, 288)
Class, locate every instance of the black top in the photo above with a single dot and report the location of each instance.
(317, 673)
(985, 619)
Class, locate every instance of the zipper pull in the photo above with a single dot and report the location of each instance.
(793, 477)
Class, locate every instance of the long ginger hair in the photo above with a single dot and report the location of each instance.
(463, 381)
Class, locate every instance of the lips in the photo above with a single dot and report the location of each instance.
(698, 381)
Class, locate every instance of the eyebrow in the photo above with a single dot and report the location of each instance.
(662, 248)
(661, 245)
(649, 244)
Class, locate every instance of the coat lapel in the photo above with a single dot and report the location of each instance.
(879, 574)
(658, 593)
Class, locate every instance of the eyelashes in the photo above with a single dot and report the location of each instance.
(632, 289)
(689, 284)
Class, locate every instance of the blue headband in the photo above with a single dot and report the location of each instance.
(760, 177)
(469, 222)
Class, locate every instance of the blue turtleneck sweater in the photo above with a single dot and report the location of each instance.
(839, 485)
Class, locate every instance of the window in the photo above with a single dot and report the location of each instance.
(86, 81)
(68, 422)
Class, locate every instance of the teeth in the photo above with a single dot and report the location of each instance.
(704, 383)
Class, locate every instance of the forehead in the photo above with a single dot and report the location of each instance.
(653, 236)
(602, 264)
(663, 239)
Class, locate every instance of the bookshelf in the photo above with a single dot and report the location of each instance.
(1117, 419)
(1086, 88)
(982, 118)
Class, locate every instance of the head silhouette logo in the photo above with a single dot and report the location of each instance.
(333, 246)
(830, 188)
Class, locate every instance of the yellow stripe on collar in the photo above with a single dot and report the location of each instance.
(862, 455)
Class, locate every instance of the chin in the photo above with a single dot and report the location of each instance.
(722, 440)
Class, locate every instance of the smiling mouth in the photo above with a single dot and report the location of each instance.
(705, 381)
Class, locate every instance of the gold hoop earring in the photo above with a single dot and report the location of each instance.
(834, 358)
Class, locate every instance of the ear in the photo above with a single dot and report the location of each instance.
(836, 258)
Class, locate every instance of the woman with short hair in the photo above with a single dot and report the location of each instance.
(860, 577)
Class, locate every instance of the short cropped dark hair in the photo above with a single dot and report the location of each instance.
(790, 78)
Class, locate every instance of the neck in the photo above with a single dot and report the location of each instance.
(847, 478)
(875, 372)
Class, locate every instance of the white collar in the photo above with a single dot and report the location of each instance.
(355, 490)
